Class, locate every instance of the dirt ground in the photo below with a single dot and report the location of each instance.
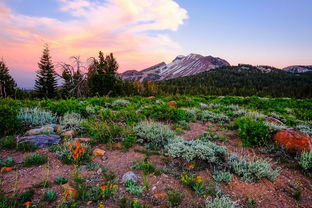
(266, 194)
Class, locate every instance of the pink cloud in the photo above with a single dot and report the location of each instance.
(117, 26)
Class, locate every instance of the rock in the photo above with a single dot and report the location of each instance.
(151, 97)
(99, 171)
(70, 133)
(40, 141)
(173, 104)
(160, 195)
(42, 130)
(129, 176)
(98, 152)
(117, 145)
(294, 140)
(6, 169)
(83, 140)
(203, 106)
(70, 192)
(274, 120)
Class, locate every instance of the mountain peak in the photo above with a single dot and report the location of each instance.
(181, 66)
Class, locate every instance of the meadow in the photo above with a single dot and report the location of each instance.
(177, 151)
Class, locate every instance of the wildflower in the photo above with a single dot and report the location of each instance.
(103, 186)
(27, 204)
(191, 166)
(135, 201)
(199, 179)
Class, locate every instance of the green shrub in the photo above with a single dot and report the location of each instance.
(134, 188)
(129, 141)
(35, 117)
(213, 117)
(8, 163)
(306, 160)
(146, 166)
(60, 180)
(193, 114)
(154, 135)
(165, 113)
(102, 132)
(220, 202)
(25, 196)
(128, 116)
(71, 121)
(43, 184)
(8, 142)
(35, 159)
(222, 176)
(49, 196)
(26, 146)
(196, 149)
(174, 198)
(251, 171)
(120, 103)
(8, 119)
(253, 132)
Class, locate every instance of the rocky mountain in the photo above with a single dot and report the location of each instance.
(181, 66)
(298, 69)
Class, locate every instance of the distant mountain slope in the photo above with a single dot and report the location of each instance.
(242, 80)
(181, 66)
(298, 69)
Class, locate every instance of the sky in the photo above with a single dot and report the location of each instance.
(142, 33)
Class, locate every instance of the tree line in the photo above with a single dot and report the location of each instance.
(99, 78)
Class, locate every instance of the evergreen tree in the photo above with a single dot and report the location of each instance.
(7, 83)
(46, 85)
(102, 77)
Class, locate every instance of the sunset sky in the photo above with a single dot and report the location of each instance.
(142, 33)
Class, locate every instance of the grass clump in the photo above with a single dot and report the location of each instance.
(8, 142)
(9, 162)
(174, 198)
(43, 184)
(129, 141)
(26, 147)
(146, 166)
(306, 160)
(60, 180)
(222, 176)
(134, 188)
(154, 135)
(25, 196)
(253, 132)
(35, 159)
(49, 196)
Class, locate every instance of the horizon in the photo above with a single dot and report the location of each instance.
(146, 33)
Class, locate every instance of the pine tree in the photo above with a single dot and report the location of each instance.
(7, 83)
(46, 84)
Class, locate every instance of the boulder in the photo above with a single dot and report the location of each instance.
(294, 140)
(129, 176)
(173, 104)
(70, 133)
(41, 140)
(46, 129)
(98, 152)
(274, 120)
(118, 145)
(6, 169)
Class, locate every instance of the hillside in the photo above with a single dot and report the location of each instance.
(136, 152)
(243, 80)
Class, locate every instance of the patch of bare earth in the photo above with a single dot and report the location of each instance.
(267, 194)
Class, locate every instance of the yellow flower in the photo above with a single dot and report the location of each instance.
(199, 179)
(101, 205)
(135, 201)
(115, 186)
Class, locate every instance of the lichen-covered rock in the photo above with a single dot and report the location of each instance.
(98, 152)
(41, 140)
(294, 140)
(70, 133)
(129, 176)
(47, 129)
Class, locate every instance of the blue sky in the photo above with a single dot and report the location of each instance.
(145, 32)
